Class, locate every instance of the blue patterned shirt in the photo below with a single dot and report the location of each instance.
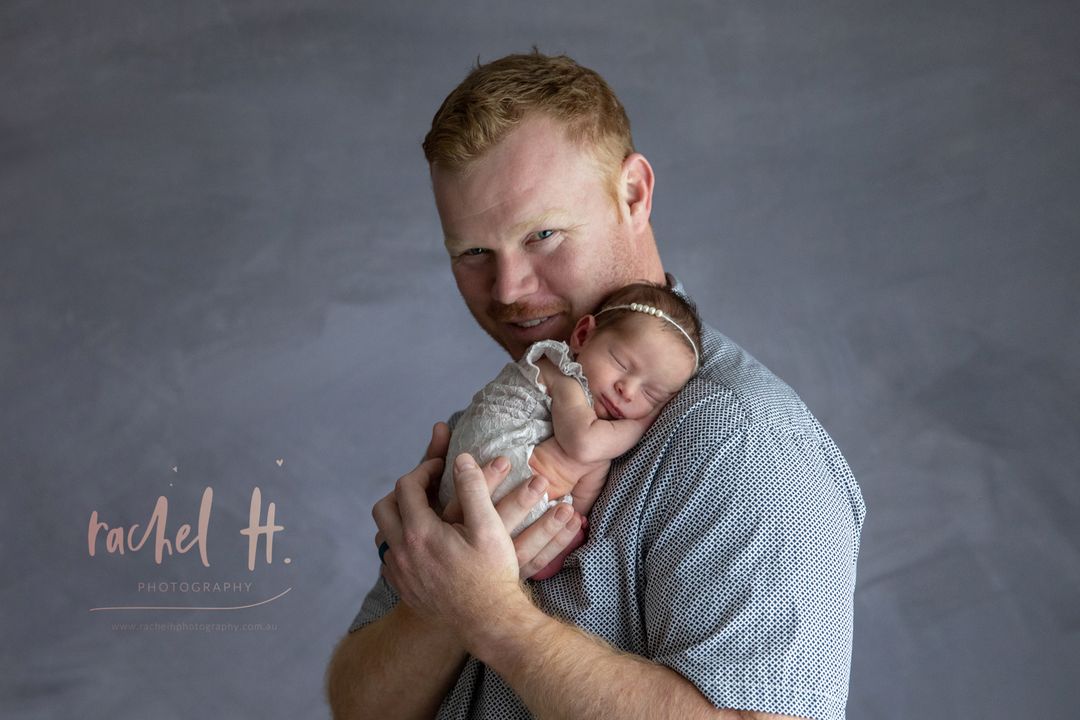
(722, 546)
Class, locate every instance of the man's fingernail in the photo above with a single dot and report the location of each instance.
(464, 462)
(502, 464)
(538, 484)
(564, 512)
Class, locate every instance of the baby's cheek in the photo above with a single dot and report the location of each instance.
(648, 412)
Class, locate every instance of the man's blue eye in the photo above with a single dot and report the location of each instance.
(544, 234)
(473, 252)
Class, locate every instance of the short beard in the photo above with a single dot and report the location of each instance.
(519, 311)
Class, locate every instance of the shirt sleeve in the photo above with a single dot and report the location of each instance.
(380, 600)
(749, 578)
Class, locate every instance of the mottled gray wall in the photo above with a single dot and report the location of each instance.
(219, 251)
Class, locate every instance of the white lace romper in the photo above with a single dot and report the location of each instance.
(510, 416)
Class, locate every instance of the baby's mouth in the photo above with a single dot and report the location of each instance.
(611, 409)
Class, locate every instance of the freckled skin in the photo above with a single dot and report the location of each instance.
(533, 233)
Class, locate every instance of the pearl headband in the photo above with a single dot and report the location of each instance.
(656, 312)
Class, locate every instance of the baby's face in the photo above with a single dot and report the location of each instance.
(634, 367)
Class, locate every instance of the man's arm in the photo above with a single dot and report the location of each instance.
(401, 665)
(464, 577)
(398, 666)
(546, 656)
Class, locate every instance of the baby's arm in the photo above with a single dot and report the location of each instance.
(581, 434)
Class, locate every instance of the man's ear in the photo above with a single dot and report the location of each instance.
(582, 332)
(637, 182)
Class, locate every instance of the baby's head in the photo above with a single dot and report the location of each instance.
(638, 350)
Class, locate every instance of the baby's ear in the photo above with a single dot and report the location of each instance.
(581, 333)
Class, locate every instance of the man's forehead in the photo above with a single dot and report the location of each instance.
(515, 207)
(461, 196)
(534, 177)
(537, 147)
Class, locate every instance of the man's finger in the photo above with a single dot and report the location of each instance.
(411, 491)
(514, 507)
(549, 561)
(388, 520)
(472, 492)
(439, 443)
(495, 472)
(542, 541)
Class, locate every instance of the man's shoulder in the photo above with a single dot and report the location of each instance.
(734, 393)
(738, 431)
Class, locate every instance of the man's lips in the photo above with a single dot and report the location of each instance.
(530, 329)
(525, 315)
(529, 324)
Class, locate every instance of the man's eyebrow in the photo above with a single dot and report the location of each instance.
(537, 221)
(540, 222)
(455, 243)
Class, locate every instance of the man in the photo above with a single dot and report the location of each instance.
(717, 578)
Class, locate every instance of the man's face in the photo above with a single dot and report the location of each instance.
(533, 235)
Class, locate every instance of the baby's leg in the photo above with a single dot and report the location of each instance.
(562, 472)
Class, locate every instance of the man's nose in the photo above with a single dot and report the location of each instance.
(514, 278)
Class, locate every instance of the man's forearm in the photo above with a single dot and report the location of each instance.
(395, 667)
(562, 672)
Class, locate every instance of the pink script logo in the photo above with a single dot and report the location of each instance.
(117, 539)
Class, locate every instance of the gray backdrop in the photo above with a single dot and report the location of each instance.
(220, 251)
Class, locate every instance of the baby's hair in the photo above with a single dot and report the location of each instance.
(681, 310)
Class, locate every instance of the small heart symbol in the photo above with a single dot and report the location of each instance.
(174, 468)
(280, 462)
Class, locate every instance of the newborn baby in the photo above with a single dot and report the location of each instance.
(565, 412)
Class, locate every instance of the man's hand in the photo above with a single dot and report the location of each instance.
(536, 547)
(553, 536)
(457, 575)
